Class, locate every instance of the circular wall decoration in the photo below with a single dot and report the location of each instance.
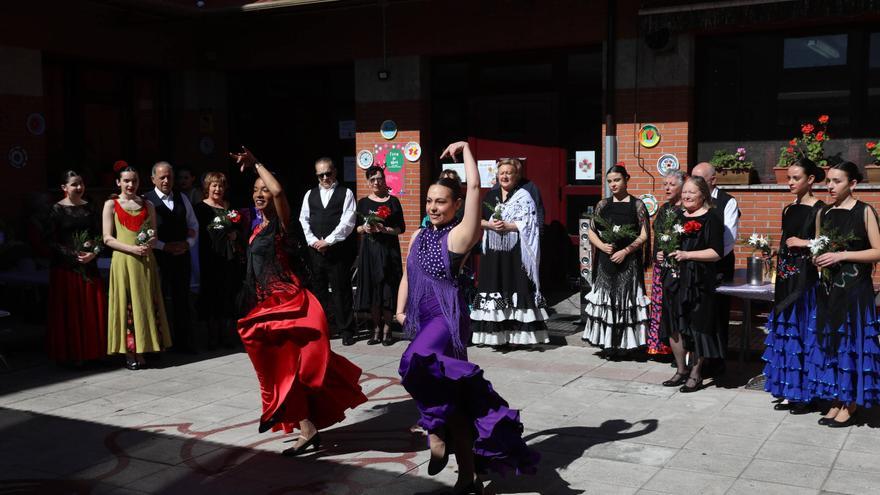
(17, 157)
(649, 136)
(388, 130)
(364, 159)
(650, 203)
(667, 163)
(36, 124)
(412, 151)
(206, 145)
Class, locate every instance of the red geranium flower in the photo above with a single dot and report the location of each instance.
(823, 119)
(807, 128)
(692, 227)
(793, 142)
(789, 149)
(383, 212)
(820, 136)
(870, 145)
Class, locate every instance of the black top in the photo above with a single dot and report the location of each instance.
(171, 224)
(215, 242)
(67, 221)
(324, 220)
(848, 287)
(795, 271)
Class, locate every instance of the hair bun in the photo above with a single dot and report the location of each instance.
(120, 165)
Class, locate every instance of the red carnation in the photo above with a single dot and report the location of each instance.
(820, 136)
(692, 227)
(383, 212)
(119, 165)
(233, 216)
(807, 128)
(823, 119)
(793, 142)
(870, 145)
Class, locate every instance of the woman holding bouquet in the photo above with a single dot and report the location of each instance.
(617, 307)
(688, 317)
(668, 215)
(458, 407)
(844, 365)
(303, 384)
(137, 322)
(77, 298)
(789, 327)
(379, 264)
(220, 260)
(509, 307)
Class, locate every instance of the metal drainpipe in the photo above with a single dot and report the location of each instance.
(610, 122)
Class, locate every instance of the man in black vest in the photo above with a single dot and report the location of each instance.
(327, 218)
(726, 207)
(177, 231)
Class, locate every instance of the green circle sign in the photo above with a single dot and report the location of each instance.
(394, 160)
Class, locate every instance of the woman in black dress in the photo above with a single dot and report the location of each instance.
(845, 364)
(617, 307)
(77, 322)
(789, 326)
(379, 263)
(688, 318)
(220, 260)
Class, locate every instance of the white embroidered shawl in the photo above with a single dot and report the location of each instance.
(520, 210)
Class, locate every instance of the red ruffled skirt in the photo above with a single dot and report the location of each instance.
(287, 340)
(77, 320)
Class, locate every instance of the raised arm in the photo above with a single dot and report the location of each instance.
(246, 160)
(463, 237)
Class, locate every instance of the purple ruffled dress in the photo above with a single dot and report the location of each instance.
(434, 368)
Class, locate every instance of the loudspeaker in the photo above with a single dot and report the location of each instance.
(585, 257)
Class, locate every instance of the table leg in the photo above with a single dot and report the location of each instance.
(745, 331)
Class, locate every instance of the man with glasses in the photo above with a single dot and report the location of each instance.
(328, 218)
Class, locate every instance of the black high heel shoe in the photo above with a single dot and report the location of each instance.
(269, 423)
(314, 442)
(436, 464)
(698, 384)
(473, 488)
(843, 424)
(374, 340)
(387, 339)
(676, 382)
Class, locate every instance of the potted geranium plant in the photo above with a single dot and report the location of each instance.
(731, 168)
(810, 144)
(872, 169)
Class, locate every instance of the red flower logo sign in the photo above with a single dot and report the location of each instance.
(383, 212)
(692, 227)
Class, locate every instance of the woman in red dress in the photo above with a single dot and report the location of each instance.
(77, 326)
(284, 331)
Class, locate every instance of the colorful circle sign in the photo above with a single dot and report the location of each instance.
(649, 136)
(388, 130)
(413, 151)
(650, 203)
(394, 160)
(17, 157)
(667, 163)
(36, 124)
(364, 159)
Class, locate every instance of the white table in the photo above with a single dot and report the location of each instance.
(746, 293)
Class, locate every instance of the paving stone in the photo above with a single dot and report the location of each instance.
(711, 463)
(689, 482)
(751, 487)
(852, 482)
(786, 473)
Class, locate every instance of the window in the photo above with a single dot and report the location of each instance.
(815, 51)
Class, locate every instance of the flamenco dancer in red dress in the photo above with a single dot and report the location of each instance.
(284, 331)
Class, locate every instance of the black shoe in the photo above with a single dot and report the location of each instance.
(436, 464)
(314, 442)
(473, 488)
(799, 408)
(676, 382)
(271, 421)
(388, 340)
(347, 340)
(784, 406)
(132, 365)
(372, 341)
(843, 424)
(698, 384)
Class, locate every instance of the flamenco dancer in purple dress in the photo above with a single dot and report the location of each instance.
(458, 407)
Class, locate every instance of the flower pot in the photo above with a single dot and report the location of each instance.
(732, 177)
(872, 173)
(781, 174)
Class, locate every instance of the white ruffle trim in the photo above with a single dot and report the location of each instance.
(522, 315)
(598, 330)
(511, 337)
(601, 335)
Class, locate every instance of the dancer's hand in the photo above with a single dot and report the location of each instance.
(401, 318)
(794, 242)
(245, 159)
(619, 256)
(679, 255)
(85, 258)
(606, 248)
(454, 149)
(829, 259)
(660, 257)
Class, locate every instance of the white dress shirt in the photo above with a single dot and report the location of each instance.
(346, 220)
(731, 222)
(192, 224)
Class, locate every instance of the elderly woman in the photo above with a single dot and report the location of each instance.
(617, 307)
(379, 263)
(509, 307)
(672, 184)
(220, 260)
(688, 319)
